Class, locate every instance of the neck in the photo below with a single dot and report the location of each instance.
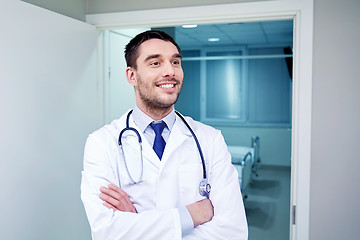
(156, 113)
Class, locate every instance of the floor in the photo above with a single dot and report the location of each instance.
(268, 204)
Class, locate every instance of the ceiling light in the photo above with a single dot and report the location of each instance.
(189, 26)
(214, 39)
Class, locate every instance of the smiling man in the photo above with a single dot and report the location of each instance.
(164, 193)
(157, 77)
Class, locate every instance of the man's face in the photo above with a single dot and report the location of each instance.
(159, 76)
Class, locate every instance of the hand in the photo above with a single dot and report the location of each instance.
(201, 212)
(116, 199)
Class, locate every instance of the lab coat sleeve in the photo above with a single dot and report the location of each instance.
(107, 224)
(229, 221)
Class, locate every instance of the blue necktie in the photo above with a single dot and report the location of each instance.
(159, 142)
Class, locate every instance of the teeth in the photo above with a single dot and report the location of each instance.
(167, 85)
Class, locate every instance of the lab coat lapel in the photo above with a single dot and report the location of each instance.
(178, 135)
(149, 153)
(147, 150)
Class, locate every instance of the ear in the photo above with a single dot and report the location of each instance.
(130, 75)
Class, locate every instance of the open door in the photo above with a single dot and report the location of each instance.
(48, 98)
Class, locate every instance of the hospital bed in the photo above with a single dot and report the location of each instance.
(246, 161)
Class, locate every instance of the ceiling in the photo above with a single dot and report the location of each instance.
(248, 33)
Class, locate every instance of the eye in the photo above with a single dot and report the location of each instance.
(176, 62)
(155, 63)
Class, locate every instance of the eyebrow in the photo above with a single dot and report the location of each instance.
(176, 55)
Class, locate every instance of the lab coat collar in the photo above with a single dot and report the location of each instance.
(147, 151)
(178, 135)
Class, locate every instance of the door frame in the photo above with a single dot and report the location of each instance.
(301, 12)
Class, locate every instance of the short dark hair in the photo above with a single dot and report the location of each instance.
(131, 49)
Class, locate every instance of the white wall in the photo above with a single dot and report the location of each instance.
(335, 161)
(47, 107)
(72, 8)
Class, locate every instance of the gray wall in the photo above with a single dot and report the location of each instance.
(71, 8)
(335, 162)
(48, 106)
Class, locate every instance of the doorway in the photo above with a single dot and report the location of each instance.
(302, 14)
(248, 59)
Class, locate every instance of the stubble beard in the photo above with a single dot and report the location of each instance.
(154, 103)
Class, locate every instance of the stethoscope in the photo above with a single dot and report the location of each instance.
(204, 186)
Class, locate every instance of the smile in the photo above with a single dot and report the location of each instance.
(169, 85)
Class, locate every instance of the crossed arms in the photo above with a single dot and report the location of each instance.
(116, 199)
(221, 217)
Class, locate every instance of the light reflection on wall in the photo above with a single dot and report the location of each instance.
(232, 88)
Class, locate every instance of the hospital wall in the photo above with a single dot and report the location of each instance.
(335, 132)
(47, 108)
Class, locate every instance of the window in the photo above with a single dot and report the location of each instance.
(238, 84)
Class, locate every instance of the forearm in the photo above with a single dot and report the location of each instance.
(201, 212)
(108, 224)
(192, 215)
(229, 221)
(226, 225)
(116, 199)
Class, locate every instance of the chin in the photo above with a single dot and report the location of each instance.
(170, 102)
(164, 104)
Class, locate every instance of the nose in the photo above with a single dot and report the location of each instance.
(168, 70)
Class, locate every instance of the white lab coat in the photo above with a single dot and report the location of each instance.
(167, 185)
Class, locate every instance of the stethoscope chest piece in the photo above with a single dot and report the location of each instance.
(204, 188)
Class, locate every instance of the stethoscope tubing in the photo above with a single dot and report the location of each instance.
(197, 143)
(204, 186)
(128, 128)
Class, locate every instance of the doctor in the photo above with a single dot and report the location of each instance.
(151, 193)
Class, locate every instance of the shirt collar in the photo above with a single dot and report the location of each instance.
(142, 120)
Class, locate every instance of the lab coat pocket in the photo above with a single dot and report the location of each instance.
(190, 176)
